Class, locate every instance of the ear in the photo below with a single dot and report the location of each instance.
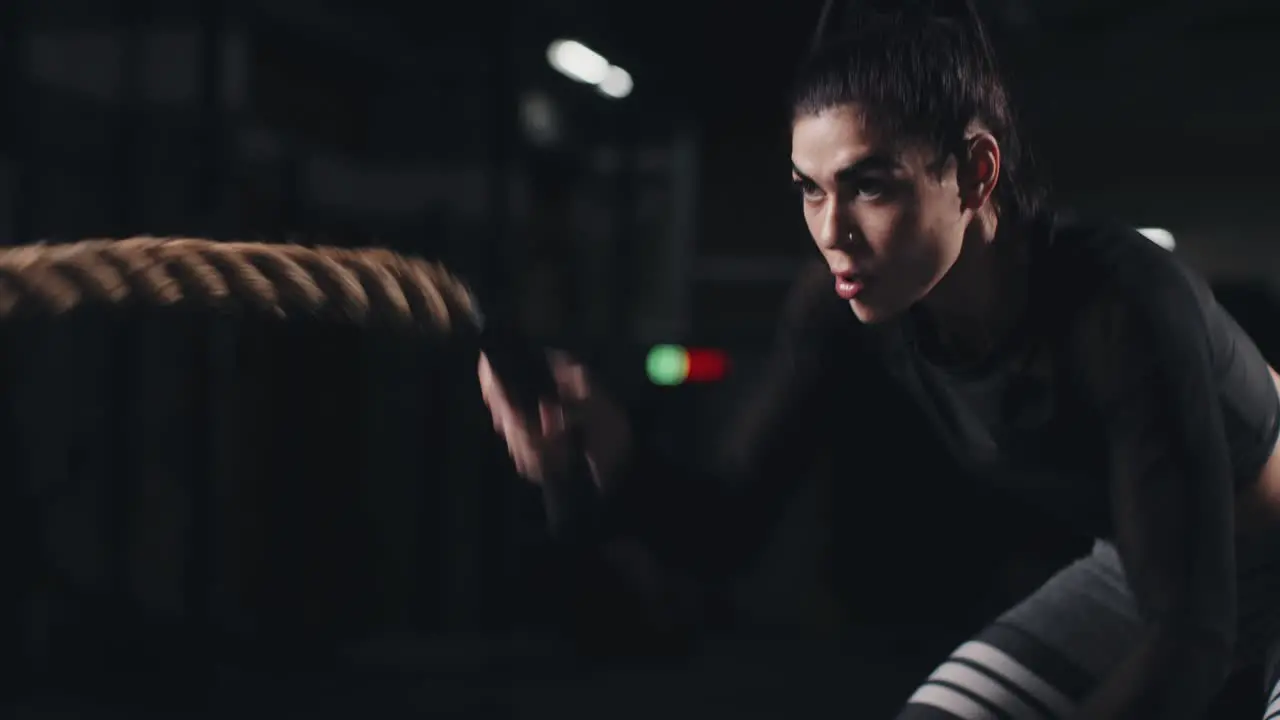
(979, 171)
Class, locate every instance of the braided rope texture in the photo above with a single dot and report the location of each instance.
(360, 286)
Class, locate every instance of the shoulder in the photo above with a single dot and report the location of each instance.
(1123, 285)
(1133, 311)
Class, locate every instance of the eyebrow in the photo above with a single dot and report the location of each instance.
(868, 164)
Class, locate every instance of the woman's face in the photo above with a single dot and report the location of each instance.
(889, 223)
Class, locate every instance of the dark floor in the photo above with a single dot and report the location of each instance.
(761, 674)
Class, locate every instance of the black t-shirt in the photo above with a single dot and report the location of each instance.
(1131, 407)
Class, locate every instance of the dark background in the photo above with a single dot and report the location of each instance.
(439, 130)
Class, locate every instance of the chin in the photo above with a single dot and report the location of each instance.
(872, 313)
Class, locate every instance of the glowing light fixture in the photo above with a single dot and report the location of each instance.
(617, 83)
(579, 62)
(1159, 236)
(671, 365)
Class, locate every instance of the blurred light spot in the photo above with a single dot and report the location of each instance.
(579, 62)
(540, 119)
(1159, 236)
(670, 365)
(617, 83)
(667, 365)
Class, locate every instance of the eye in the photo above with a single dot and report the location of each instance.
(807, 188)
(870, 188)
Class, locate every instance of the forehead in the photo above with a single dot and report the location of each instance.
(825, 143)
(828, 141)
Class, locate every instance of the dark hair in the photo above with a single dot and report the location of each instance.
(921, 71)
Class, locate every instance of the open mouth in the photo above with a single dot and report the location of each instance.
(849, 286)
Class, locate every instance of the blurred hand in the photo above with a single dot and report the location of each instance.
(540, 446)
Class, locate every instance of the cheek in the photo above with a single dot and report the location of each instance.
(912, 244)
(882, 229)
(813, 216)
(889, 230)
(922, 233)
(944, 230)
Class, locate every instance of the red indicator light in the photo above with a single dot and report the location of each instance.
(707, 365)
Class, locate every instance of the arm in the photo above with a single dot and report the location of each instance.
(1172, 499)
(712, 522)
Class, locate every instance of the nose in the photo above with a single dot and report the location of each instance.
(832, 231)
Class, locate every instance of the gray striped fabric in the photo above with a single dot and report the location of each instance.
(1039, 658)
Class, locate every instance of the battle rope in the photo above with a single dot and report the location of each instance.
(365, 286)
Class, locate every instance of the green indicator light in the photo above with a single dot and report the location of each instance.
(667, 365)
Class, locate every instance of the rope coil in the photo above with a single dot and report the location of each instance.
(364, 286)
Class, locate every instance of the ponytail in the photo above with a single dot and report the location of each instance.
(840, 18)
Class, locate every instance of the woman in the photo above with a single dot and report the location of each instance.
(1075, 364)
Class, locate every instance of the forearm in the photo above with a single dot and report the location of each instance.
(1166, 677)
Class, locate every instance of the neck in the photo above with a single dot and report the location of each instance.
(978, 303)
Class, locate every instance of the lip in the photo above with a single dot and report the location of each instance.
(849, 285)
